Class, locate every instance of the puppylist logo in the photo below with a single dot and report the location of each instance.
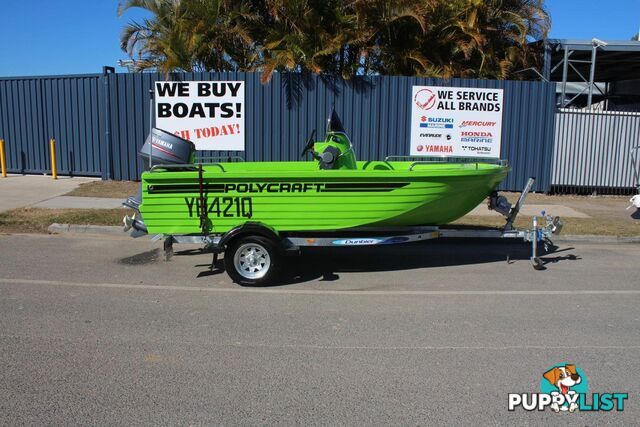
(563, 388)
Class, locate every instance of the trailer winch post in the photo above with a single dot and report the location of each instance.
(515, 210)
(3, 159)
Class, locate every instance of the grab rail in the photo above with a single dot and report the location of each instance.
(426, 162)
(192, 166)
(208, 158)
(455, 159)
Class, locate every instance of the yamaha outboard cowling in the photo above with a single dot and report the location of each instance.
(167, 149)
(164, 148)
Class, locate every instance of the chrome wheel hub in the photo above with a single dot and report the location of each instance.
(252, 261)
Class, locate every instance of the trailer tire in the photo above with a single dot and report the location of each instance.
(252, 260)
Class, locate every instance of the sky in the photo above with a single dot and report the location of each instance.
(44, 37)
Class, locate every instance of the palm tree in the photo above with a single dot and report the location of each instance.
(438, 38)
(191, 35)
(490, 38)
(304, 36)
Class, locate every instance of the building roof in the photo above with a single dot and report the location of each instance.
(615, 59)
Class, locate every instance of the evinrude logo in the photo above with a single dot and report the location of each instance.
(563, 388)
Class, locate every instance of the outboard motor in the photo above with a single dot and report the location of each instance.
(163, 148)
(166, 149)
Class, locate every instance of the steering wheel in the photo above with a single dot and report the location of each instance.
(309, 145)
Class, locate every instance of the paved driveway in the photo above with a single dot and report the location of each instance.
(25, 190)
(103, 331)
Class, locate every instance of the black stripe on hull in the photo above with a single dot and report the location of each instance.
(363, 186)
(331, 187)
(184, 188)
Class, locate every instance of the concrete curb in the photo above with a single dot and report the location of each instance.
(594, 238)
(56, 228)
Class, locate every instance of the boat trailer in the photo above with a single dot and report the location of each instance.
(290, 243)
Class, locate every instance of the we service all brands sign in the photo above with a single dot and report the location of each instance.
(211, 114)
(456, 121)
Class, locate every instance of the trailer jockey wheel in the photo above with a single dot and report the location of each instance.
(252, 261)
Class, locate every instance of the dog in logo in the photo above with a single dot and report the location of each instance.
(563, 377)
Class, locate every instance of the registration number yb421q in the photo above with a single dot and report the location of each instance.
(222, 207)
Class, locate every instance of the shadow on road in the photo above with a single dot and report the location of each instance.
(142, 258)
(326, 264)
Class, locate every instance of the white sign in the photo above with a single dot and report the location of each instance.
(211, 114)
(456, 121)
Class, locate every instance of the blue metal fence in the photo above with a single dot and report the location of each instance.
(35, 109)
(100, 121)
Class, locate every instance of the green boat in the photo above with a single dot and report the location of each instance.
(258, 212)
(333, 192)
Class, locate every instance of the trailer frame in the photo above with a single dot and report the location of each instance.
(290, 243)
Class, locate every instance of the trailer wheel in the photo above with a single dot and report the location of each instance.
(252, 261)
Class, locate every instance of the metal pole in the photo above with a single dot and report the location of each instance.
(54, 167)
(546, 70)
(107, 151)
(3, 159)
(592, 73)
(150, 127)
(565, 71)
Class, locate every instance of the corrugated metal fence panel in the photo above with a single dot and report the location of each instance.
(376, 111)
(593, 151)
(101, 121)
(35, 109)
(22, 125)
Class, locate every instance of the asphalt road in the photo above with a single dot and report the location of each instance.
(102, 330)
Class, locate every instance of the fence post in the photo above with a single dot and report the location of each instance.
(54, 167)
(3, 159)
(106, 150)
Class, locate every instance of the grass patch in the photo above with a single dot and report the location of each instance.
(34, 220)
(598, 225)
(107, 189)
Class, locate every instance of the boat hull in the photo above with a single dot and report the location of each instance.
(296, 196)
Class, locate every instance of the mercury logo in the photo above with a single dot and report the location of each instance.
(476, 123)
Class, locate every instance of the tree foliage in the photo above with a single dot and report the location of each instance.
(431, 38)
